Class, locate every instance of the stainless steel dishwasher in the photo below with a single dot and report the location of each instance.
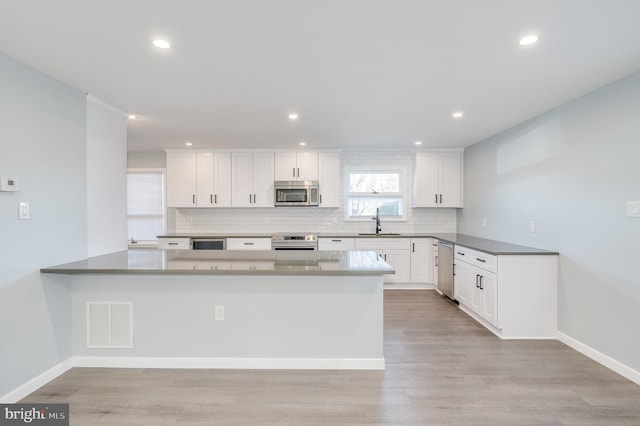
(445, 268)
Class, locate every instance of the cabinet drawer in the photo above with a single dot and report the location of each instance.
(383, 243)
(174, 243)
(338, 244)
(248, 243)
(480, 259)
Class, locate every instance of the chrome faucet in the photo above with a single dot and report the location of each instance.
(377, 219)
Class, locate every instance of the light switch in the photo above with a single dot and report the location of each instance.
(633, 208)
(24, 210)
(532, 226)
(219, 313)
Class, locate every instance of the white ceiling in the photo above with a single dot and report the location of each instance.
(360, 73)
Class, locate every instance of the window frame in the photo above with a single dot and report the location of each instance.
(163, 173)
(380, 196)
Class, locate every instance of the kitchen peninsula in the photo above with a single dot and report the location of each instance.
(226, 309)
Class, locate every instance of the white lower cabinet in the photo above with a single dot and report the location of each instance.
(434, 261)
(484, 296)
(463, 280)
(174, 243)
(337, 244)
(421, 260)
(476, 283)
(395, 251)
(248, 243)
(514, 296)
(400, 260)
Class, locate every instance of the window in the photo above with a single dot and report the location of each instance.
(145, 204)
(371, 190)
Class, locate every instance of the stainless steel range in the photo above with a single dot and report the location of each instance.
(293, 241)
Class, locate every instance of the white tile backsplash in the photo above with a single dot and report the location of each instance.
(305, 219)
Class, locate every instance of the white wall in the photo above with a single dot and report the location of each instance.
(106, 179)
(147, 160)
(42, 143)
(572, 171)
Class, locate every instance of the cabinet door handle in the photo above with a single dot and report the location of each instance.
(440, 198)
(173, 244)
(460, 253)
(293, 172)
(481, 286)
(193, 198)
(298, 171)
(480, 260)
(320, 198)
(413, 247)
(211, 198)
(436, 261)
(436, 198)
(248, 244)
(336, 241)
(249, 198)
(215, 197)
(254, 198)
(477, 281)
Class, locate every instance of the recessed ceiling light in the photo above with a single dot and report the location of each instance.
(293, 116)
(418, 142)
(162, 44)
(526, 41)
(188, 143)
(132, 117)
(302, 143)
(457, 114)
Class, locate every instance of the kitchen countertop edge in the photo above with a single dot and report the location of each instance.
(496, 248)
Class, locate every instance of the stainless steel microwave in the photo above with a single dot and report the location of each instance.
(303, 193)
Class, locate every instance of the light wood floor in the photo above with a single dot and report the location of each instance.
(442, 368)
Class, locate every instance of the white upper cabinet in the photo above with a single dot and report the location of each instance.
(181, 179)
(296, 165)
(252, 179)
(213, 179)
(329, 179)
(222, 179)
(198, 179)
(438, 179)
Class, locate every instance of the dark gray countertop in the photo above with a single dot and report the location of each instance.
(481, 244)
(228, 262)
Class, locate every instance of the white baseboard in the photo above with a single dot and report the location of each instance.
(37, 382)
(232, 363)
(601, 358)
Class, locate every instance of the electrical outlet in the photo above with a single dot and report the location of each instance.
(219, 313)
(633, 208)
(484, 222)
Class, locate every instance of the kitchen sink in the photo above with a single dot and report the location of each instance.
(381, 234)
